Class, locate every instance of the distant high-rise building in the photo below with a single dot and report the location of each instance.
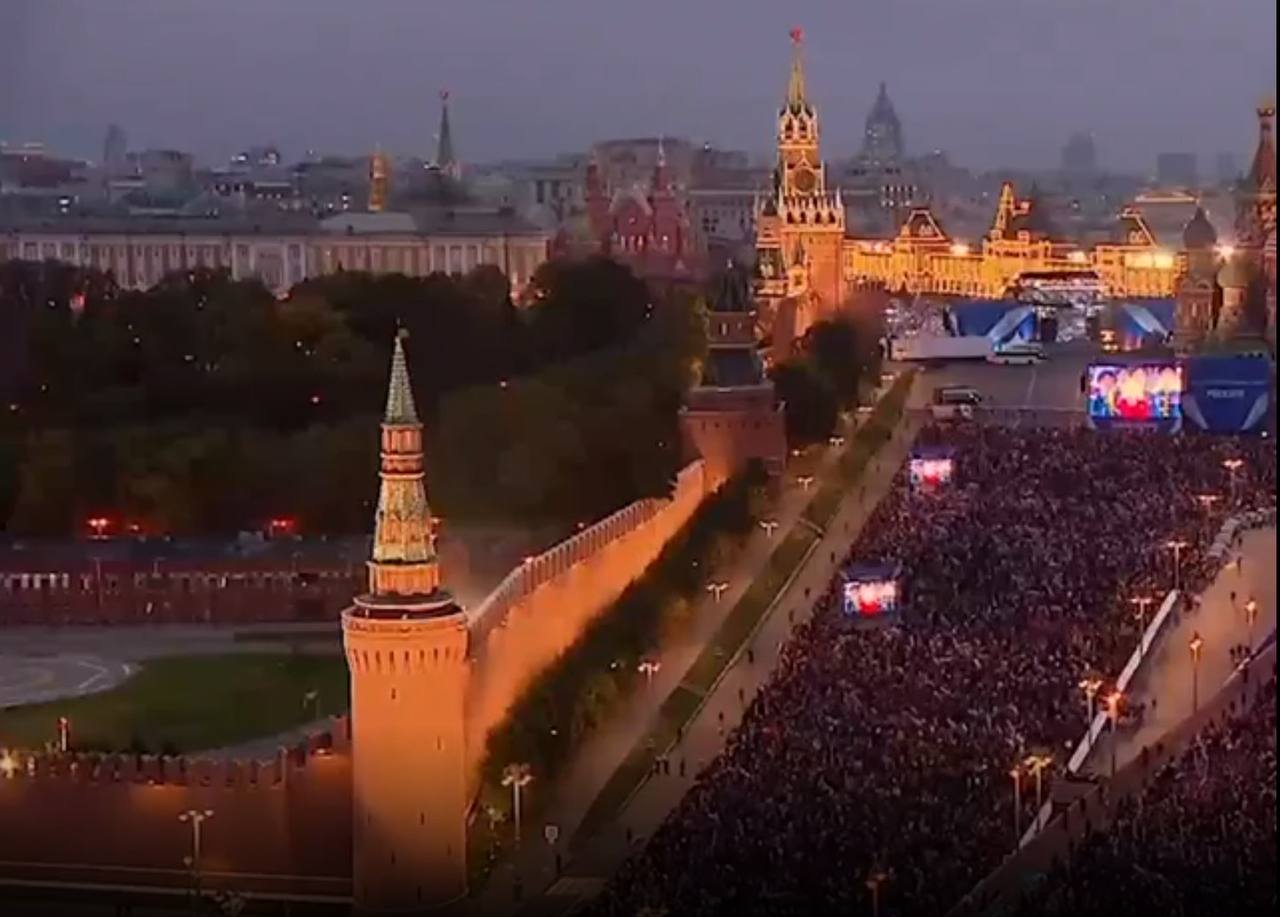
(1080, 154)
(882, 137)
(1177, 170)
(1226, 168)
(115, 151)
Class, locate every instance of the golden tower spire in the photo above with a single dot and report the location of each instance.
(796, 95)
(379, 178)
(404, 562)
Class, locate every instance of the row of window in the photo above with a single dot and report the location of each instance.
(87, 582)
(278, 266)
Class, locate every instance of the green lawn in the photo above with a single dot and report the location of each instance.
(183, 704)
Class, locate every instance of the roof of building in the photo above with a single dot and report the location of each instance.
(1034, 219)
(1199, 233)
(1262, 173)
(733, 291)
(273, 223)
(400, 406)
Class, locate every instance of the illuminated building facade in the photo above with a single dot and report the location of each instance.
(807, 266)
(1197, 284)
(648, 230)
(800, 223)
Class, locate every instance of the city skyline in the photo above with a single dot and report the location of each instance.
(1024, 90)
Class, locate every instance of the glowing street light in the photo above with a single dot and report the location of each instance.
(649, 668)
(877, 878)
(1233, 466)
(98, 526)
(196, 818)
(8, 764)
(717, 589)
(1207, 500)
(1090, 688)
(1251, 617)
(1036, 765)
(1196, 646)
(1143, 602)
(836, 441)
(1176, 546)
(1113, 712)
(64, 734)
(769, 525)
(804, 480)
(1016, 774)
(516, 776)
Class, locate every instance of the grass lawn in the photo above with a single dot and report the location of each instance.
(185, 704)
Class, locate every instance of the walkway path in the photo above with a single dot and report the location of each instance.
(704, 737)
(1165, 677)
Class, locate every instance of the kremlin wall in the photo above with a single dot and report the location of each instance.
(374, 810)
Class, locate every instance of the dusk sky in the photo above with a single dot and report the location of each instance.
(994, 82)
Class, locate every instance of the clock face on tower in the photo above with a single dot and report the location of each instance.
(804, 180)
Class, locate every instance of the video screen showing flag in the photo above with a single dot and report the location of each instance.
(870, 591)
(1135, 393)
(931, 467)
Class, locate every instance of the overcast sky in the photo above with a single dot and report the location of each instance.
(994, 82)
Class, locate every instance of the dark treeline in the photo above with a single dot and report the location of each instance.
(209, 405)
(837, 360)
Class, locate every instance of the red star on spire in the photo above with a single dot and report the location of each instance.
(444, 95)
(797, 35)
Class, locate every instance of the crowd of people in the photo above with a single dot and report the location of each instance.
(876, 762)
(1200, 839)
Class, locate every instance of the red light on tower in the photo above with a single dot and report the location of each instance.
(98, 526)
(797, 35)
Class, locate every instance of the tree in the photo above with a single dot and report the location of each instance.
(832, 348)
(811, 407)
(583, 306)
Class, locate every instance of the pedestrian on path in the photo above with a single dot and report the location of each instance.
(751, 656)
(683, 768)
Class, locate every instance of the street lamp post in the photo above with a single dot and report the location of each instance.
(649, 668)
(769, 525)
(717, 589)
(1195, 646)
(804, 480)
(1016, 774)
(1207, 500)
(516, 776)
(1090, 688)
(874, 881)
(1143, 602)
(1113, 711)
(1251, 617)
(1036, 764)
(196, 818)
(1233, 465)
(1176, 547)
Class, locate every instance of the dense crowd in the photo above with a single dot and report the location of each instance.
(1201, 839)
(888, 749)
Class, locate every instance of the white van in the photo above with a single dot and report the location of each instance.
(955, 401)
(1027, 354)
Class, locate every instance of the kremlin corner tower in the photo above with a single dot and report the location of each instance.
(406, 644)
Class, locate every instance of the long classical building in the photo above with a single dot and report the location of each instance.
(808, 264)
(283, 249)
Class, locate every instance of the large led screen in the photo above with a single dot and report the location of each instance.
(1137, 393)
